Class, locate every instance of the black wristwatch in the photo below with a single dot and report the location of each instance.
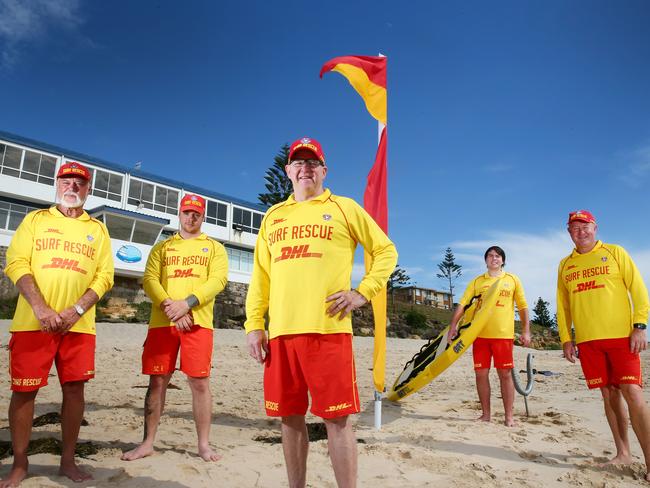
(640, 326)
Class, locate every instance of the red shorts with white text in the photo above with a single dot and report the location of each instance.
(31, 354)
(317, 365)
(161, 346)
(609, 362)
(484, 350)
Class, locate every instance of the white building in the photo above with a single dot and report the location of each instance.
(139, 208)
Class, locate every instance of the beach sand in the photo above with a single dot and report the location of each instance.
(430, 438)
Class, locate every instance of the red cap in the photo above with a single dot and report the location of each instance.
(582, 216)
(193, 202)
(310, 144)
(73, 169)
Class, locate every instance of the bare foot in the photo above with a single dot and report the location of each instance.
(619, 459)
(509, 422)
(484, 418)
(16, 475)
(138, 453)
(74, 472)
(207, 454)
(647, 476)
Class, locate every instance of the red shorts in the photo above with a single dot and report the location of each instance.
(321, 365)
(485, 349)
(609, 362)
(161, 350)
(31, 354)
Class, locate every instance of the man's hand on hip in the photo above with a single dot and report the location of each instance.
(638, 341)
(345, 302)
(258, 345)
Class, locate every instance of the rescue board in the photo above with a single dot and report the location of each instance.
(436, 355)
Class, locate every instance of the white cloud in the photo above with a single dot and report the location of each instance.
(26, 21)
(636, 168)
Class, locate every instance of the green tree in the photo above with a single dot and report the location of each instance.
(449, 271)
(542, 314)
(278, 185)
(398, 279)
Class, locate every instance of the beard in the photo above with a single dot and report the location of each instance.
(78, 201)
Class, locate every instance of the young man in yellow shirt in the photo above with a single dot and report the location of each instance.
(182, 277)
(601, 292)
(301, 277)
(61, 262)
(495, 341)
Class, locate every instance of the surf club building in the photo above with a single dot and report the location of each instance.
(138, 208)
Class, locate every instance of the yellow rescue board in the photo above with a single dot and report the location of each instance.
(436, 355)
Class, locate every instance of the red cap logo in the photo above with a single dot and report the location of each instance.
(193, 202)
(582, 216)
(310, 144)
(73, 169)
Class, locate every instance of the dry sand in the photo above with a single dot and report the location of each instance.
(431, 438)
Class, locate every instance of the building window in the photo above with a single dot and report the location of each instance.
(27, 165)
(217, 213)
(246, 220)
(12, 214)
(106, 185)
(142, 194)
(132, 230)
(240, 260)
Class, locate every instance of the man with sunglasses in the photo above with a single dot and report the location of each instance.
(601, 292)
(61, 262)
(301, 277)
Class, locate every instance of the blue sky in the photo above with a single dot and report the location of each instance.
(503, 116)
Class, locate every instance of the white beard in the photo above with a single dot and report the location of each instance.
(79, 202)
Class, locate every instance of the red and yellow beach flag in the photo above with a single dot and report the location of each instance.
(367, 74)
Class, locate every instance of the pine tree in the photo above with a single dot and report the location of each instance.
(542, 315)
(398, 279)
(449, 271)
(278, 184)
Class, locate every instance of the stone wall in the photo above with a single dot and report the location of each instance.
(7, 288)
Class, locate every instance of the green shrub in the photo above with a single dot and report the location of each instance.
(143, 312)
(8, 307)
(416, 319)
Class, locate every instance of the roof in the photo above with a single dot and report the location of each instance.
(102, 163)
(128, 213)
(411, 287)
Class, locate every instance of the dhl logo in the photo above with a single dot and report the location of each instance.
(459, 346)
(586, 286)
(338, 407)
(571, 266)
(278, 221)
(26, 381)
(61, 263)
(275, 406)
(184, 273)
(629, 378)
(595, 381)
(499, 304)
(53, 231)
(297, 252)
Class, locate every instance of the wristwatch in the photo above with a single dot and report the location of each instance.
(79, 309)
(640, 326)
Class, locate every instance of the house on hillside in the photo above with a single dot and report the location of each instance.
(424, 296)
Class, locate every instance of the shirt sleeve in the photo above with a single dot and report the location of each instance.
(152, 273)
(520, 296)
(635, 285)
(376, 243)
(468, 294)
(257, 298)
(19, 253)
(104, 274)
(217, 275)
(563, 307)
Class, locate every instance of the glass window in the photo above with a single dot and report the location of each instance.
(107, 185)
(246, 220)
(142, 194)
(145, 232)
(119, 227)
(239, 260)
(28, 165)
(12, 214)
(216, 213)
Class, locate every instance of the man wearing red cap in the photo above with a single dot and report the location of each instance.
(60, 260)
(601, 292)
(301, 278)
(182, 277)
